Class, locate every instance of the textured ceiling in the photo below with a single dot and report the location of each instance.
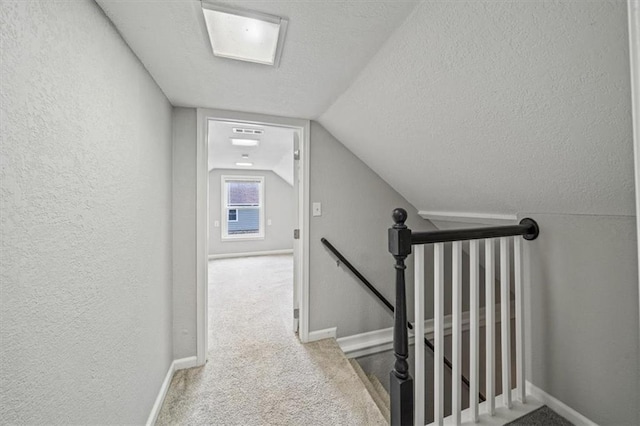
(274, 151)
(327, 44)
(499, 107)
(465, 106)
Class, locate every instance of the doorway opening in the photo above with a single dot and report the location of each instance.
(252, 215)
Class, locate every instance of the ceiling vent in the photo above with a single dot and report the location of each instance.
(240, 131)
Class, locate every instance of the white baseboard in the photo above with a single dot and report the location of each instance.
(368, 343)
(157, 405)
(501, 416)
(558, 406)
(184, 363)
(250, 254)
(327, 333)
(382, 340)
(178, 364)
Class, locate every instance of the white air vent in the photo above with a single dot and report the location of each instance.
(248, 131)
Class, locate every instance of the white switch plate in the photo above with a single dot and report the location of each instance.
(268, 222)
(216, 224)
(317, 209)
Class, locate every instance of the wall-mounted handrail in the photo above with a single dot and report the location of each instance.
(358, 275)
(388, 304)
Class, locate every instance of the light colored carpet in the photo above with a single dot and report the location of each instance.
(258, 372)
(378, 398)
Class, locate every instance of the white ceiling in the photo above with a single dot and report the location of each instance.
(327, 44)
(463, 106)
(274, 151)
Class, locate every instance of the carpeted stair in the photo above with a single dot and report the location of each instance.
(543, 416)
(378, 393)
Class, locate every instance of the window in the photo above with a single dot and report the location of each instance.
(242, 207)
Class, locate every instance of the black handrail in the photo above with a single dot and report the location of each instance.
(358, 275)
(401, 239)
(528, 228)
(388, 304)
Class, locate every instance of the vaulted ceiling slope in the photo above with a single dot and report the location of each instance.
(499, 107)
(327, 44)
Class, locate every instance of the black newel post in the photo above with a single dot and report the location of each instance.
(401, 381)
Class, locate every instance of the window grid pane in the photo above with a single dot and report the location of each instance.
(243, 193)
(248, 222)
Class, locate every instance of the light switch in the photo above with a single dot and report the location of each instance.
(317, 209)
(216, 224)
(268, 222)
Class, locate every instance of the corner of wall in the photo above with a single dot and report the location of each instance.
(356, 212)
(184, 233)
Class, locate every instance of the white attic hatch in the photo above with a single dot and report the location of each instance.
(244, 35)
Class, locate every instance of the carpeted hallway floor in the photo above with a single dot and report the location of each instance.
(258, 372)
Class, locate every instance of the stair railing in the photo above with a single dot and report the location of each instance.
(388, 304)
(401, 239)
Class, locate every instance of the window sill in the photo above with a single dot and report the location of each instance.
(248, 238)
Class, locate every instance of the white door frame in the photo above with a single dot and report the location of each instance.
(301, 281)
(633, 12)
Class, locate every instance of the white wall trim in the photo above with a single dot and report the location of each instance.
(503, 415)
(177, 364)
(202, 237)
(184, 363)
(304, 211)
(327, 333)
(368, 343)
(382, 340)
(157, 405)
(558, 406)
(464, 217)
(633, 13)
(250, 254)
(301, 280)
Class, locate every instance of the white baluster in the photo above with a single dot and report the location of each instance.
(456, 346)
(490, 323)
(520, 376)
(505, 321)
(438, 341)
(419, 382)
(474, 343)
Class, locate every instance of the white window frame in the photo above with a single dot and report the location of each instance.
(223, 203)
(229, 220)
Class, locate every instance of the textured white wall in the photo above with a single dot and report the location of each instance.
(184, 232)
(356, 213)
(584, 315)
(279, 207)
(486, 106)
(86, 220)
(506, 107)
